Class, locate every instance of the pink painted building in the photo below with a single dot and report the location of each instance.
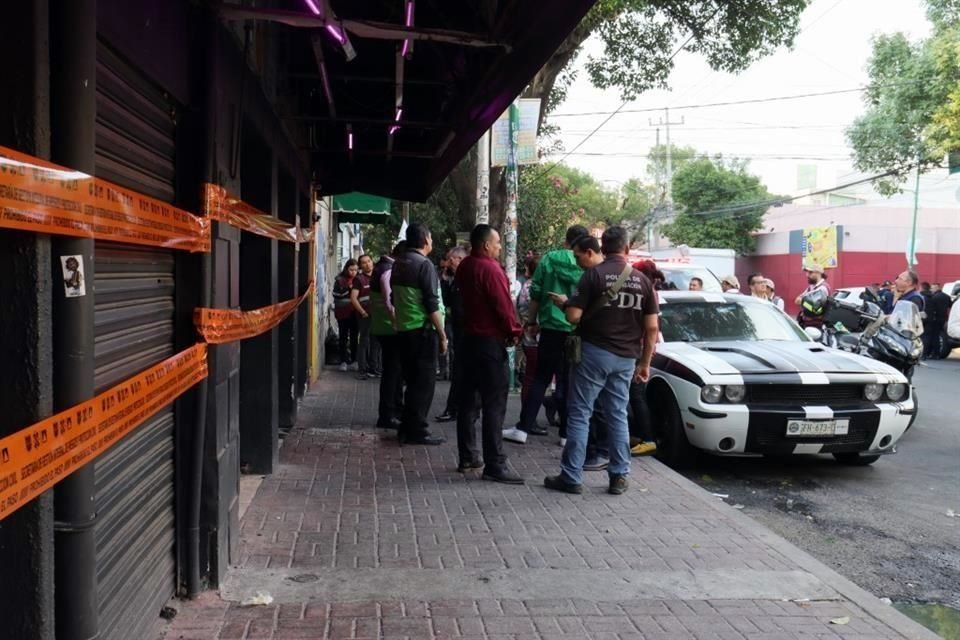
(872, 245)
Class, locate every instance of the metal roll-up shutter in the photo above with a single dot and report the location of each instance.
(134, 329)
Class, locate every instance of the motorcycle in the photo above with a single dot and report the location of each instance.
(864, 329)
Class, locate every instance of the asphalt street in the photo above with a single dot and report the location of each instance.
(887, 527)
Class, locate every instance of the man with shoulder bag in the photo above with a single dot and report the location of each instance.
(615, 309)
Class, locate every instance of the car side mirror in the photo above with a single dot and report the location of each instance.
(814, 333)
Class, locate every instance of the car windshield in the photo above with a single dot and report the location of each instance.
(679, 276)
(701, 321)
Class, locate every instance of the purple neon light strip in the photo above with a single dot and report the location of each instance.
(399, 113)
(313, 7)
(408, 20)
(336, 33)
(350, 141)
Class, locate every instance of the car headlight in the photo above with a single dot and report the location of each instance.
(735, 393)
(712, 393)
(896, 391)
(873, 392)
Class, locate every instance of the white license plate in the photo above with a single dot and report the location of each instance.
(813, 428)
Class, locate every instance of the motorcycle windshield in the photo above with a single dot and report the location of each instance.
(905, 319)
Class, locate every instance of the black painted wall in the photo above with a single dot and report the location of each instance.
(26, 537)
(259, 405)
(287, 290)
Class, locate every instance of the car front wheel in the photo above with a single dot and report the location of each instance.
(673, 449)
(855, 459)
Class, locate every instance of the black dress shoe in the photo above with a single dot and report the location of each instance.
(535, 430)
(389, 424)
(559, 484)
(506, 476)
(446, 416)
(463, 467)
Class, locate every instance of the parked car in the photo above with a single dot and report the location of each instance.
(952, 289)
(679, 274)
(849, 293)
(734, 376)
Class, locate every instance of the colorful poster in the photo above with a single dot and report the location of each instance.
(819, 247)
(524, 135)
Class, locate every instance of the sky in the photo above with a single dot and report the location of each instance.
(830, 54)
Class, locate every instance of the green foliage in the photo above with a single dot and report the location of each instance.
(544, 212)
(705, 185)
(944, 129)
(639, 37)
(657, 163)
(912, 102)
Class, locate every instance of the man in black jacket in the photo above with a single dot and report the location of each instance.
(938, 310)
(453, 323)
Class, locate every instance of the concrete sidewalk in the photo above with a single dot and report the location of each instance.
(355, 537)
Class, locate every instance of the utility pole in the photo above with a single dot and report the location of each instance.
(912, 253)
(483, 179)
(668, 182)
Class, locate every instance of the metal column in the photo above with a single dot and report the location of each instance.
(73, 46)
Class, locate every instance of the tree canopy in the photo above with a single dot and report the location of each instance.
(912, 111)
(640, 36)
(716, 204)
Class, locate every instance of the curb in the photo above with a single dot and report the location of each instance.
(848, 590)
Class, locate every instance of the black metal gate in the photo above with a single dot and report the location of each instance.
(134, 328)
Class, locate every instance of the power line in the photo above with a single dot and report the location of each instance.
(626, 154)
(624, 103)
(776, 202)
(728, 103)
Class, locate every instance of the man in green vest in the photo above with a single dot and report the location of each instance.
(382, 316)
(419, 322)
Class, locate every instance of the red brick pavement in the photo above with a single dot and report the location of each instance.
(347, 500)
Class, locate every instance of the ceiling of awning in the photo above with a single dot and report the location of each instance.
(449, 89)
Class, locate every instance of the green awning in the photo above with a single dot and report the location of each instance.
(362, 208)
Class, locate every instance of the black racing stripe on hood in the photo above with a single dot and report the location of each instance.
(674, 368)
(754, 358)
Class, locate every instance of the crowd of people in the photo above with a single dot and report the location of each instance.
(934, 304)
(585, 320)
(586, 325)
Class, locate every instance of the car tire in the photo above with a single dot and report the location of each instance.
(854, 459)
(673, 448)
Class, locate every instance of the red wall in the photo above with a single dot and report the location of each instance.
(855, 269)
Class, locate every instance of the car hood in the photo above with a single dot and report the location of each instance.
(765, 357)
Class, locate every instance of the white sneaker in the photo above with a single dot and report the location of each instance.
(515, 435)
(344, 367)
(563, 442)
(355, 367)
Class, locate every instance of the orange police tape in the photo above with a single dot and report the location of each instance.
(217, 326)
(36, 458)
(219, 205)
(39, 196)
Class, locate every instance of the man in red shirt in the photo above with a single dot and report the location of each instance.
(489, 325)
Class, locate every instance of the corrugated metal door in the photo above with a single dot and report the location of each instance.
(134, 322)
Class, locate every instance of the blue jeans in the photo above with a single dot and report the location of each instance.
(601, 378)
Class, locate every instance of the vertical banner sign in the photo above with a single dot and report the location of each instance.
(524, 141)
(819, 247)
